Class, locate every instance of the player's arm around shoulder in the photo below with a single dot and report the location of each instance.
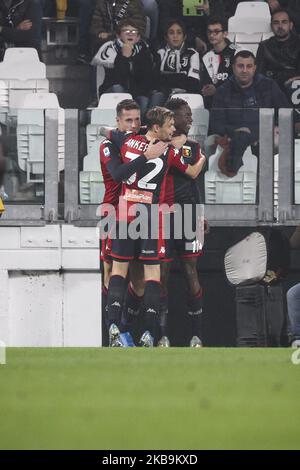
(194, 170)
(176, 151)
(106, 150)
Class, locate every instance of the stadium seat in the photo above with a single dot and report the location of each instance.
(21, 72)
(110, 100)
(31, 133)
(231, 37)
(103, 115)
(30, 143)
(22, 62)
(107, 106)
(248, 41)
(267, 35)
(91, 187)
(249, 47)
(248, 25)
(90, 179)
(241, 189)
(195, 101)
(258, 9)
(199, 128)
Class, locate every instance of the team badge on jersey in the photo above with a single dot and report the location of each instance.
(186, 151)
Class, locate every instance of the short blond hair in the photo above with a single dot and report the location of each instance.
(159, 116)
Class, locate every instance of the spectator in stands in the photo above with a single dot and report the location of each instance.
(235, 111)
(195, 25)
(231, 5)
(217, 63)
(109, 13)
(293, 8)
(279, 56)
(128, 64)
(177, 66)
(20, 24)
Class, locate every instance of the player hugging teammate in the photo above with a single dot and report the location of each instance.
(142, 196)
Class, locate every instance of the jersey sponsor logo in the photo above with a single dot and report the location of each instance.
(220, 77)
(106, 152)
(134, 195)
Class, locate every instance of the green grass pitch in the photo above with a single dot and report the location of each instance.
(175, 398)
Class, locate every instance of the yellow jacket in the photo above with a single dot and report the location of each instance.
(2, 208)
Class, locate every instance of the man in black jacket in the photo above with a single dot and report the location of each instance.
(279, 56)
(20, 23)
(235, 111)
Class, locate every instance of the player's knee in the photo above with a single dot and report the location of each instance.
(152, 272)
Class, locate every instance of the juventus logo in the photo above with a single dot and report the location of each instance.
(184, 62)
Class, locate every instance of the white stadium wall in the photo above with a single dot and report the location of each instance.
(50, 286)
